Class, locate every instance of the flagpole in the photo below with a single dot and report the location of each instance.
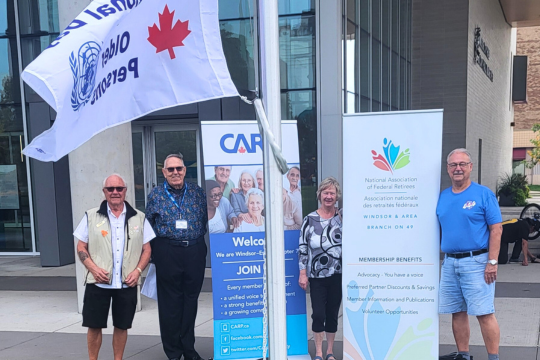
(273, 181)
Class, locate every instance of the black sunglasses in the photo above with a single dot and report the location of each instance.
(178, 168)
(117, 188)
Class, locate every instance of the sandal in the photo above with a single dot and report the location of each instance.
(328, 356)
(535, 260)
(317, 358)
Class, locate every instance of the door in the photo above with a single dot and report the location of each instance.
(151, 145)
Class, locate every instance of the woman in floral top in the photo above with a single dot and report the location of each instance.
(320, 264)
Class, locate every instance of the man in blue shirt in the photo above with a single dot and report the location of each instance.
(177, 211)
(470, 220)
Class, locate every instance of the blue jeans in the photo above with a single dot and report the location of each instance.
(464, 288)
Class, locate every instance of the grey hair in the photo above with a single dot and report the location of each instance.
(294, 167)
(115, 174)
(254, 191)
(459, 150)
(252, 179)
(178, 156)
(326, 183)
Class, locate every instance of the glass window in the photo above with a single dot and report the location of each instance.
(404, 31)
(376, 71)
(365, 56)
(237, 39)
(351, 11)
(7, 26)
(138, 170)
(9, 72)
(365, 15)
(38, 17)
(307, 142)
(15, 231)
(33, 46)
(297, 52)
(287, 7)
(376, 19)
(518, 167)
(235, 9)
(382, 64)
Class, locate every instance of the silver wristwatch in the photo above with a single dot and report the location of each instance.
(493, 262)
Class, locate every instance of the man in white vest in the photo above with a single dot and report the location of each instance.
(114, 246)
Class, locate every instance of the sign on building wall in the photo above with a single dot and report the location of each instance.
(233, 159)
(391, 177)
(480, 47)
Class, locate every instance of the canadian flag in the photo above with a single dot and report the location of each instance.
(122, 59)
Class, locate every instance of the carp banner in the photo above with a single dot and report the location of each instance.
(235, 192)
(122, 59)
(391, 177)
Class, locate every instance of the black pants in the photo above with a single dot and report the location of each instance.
(325, 296)
(503, 253)
(180, 275)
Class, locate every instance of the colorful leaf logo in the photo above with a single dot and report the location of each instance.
(393, 159)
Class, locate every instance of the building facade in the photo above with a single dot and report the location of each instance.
(527, 114)
(336, 57)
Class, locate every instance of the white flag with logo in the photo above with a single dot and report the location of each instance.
(122, 59)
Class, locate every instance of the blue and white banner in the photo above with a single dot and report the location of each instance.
(391, 177)
(122, 59)
(235, 190)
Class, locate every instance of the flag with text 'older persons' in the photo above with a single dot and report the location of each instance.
(122, 59)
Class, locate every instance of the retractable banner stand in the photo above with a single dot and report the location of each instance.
(391, 177)
(233, 158)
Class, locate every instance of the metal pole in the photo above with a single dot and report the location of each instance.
(273, 181)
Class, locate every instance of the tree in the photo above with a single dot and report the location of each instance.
(534, 154)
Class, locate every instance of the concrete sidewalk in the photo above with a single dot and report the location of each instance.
(39, 319)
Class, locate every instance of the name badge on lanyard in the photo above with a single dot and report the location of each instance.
(181, 224)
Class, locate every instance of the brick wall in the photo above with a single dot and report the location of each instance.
(528, 43)
(489, 105)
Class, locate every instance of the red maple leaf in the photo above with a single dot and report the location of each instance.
(169, 36)
(241, 150)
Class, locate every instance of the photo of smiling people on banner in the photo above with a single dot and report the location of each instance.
(243, 210)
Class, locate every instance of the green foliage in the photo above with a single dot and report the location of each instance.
(514, 185)
(535, 152)
(520, 199)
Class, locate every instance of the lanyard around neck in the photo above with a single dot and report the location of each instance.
(172, 197)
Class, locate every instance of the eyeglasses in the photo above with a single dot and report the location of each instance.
(177, 168)
(215, 196)
(117, 188)
(461, 165)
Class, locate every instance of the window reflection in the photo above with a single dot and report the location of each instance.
(383, 61)
(235, 9)
(38, 17)
(297, 52)
(287, 7)
(237, 39)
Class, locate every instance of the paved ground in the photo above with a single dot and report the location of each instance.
(39, 319)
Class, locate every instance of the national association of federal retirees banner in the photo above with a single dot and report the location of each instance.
(391, 177)
(233, 156)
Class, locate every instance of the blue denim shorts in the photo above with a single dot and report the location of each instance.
(463, 286)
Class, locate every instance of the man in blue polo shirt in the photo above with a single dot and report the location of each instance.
(470, 220)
